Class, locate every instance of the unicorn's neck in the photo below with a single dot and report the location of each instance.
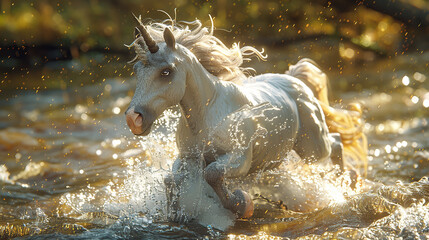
(199, 93)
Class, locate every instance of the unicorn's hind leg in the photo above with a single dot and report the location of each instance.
(239, 202)
(314, 148)
(313, 142)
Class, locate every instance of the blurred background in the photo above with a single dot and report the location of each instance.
(65, 84)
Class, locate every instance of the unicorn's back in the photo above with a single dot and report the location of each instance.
(298, 106)
(278, 89)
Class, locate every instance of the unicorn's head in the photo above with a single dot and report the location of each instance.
(164, 54)
(160, 84)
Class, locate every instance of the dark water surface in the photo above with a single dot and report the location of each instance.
(71, 169)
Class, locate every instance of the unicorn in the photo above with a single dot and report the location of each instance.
(236, 123)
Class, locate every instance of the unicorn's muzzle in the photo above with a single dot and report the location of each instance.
(139, 120)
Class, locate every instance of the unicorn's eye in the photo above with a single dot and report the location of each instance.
(166, 72)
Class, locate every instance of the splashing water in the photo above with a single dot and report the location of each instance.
(148, 191)
(144, 193)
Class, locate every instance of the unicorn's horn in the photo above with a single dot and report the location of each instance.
(150, 43)
(137, 33)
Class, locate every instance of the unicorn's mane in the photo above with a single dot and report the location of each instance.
(216, 58)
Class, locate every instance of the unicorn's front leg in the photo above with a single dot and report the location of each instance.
(230, 165)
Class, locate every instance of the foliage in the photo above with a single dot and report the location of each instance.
(97, 24)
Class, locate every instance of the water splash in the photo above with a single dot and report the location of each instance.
(143, 193)
(4, 174)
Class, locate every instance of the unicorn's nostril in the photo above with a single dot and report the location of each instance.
(138, 117)
(138, 120)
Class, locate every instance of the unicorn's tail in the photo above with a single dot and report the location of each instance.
(348, 123)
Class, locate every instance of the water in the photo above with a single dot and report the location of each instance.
(70, 168)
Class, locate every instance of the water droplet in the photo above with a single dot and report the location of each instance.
(108, 88)
(388, 148)
(116, 142)
(380, 127)
(406, 80)
(116, 110)
(84, 116)
(419, 77)
(377, 152)
(426, 102)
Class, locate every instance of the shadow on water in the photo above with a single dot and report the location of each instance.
(72, 170)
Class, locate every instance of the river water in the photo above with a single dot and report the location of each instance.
(71, 169)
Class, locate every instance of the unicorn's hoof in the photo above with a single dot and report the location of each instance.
(242, 204)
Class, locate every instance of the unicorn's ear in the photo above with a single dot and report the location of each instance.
(169, 38)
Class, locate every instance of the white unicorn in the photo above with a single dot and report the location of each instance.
(239, 124)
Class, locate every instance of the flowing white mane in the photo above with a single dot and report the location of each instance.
(219, 60)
